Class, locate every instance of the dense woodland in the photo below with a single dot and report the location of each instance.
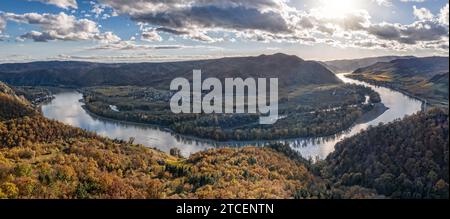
(404, 159)
(41, 158)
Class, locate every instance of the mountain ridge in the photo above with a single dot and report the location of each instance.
(291, 71)
(350, 65)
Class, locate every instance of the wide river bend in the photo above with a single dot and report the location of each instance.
(67, 108)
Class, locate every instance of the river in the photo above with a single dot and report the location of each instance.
(67, 108)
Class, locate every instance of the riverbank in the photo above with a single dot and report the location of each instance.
(68, 109)
(230, 142)
(425, 102)
(377, 110)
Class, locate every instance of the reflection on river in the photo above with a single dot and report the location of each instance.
(67, 108)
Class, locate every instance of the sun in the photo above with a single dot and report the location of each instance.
(337, 8)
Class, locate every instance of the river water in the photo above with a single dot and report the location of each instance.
(67, 108)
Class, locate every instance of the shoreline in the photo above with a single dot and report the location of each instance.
(386, 85)
(307, 145)
(378, 110)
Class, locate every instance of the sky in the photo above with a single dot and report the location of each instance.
(170, 30)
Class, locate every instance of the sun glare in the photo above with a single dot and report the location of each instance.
(337, 8)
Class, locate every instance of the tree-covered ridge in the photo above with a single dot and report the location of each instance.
(404, 159)
(73, 164)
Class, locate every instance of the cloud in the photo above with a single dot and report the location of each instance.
(253, 20)
(97, 9)
(66, 4)
(194, 18)
(195, 35)
(2, 24)
(151, 36)
(60, 27)
(410, 34)
(443, 15)
(422, 13)
(412, 0)
(275, 21)
(386, 3)
(130, 45)
(140, 57)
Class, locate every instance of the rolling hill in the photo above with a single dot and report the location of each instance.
(425, 78)
(350, 65)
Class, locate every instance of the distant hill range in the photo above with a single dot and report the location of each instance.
(291, 71)
(422, 77)
(425, 67)
(350, 65)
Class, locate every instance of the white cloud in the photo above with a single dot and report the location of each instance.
(422, 13)
(412, 0)
(97, 9)
(131, 45)
(443, 15)
(131, 58)
(386, 3)
(66, 4)
(60, 27)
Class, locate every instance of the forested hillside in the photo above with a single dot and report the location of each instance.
(13, 106)
(404, 159)
(40, 158)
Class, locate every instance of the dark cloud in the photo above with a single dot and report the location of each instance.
(171, 31)
(37, 36)
(193, 18)
(425, 30)
(238, 18)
